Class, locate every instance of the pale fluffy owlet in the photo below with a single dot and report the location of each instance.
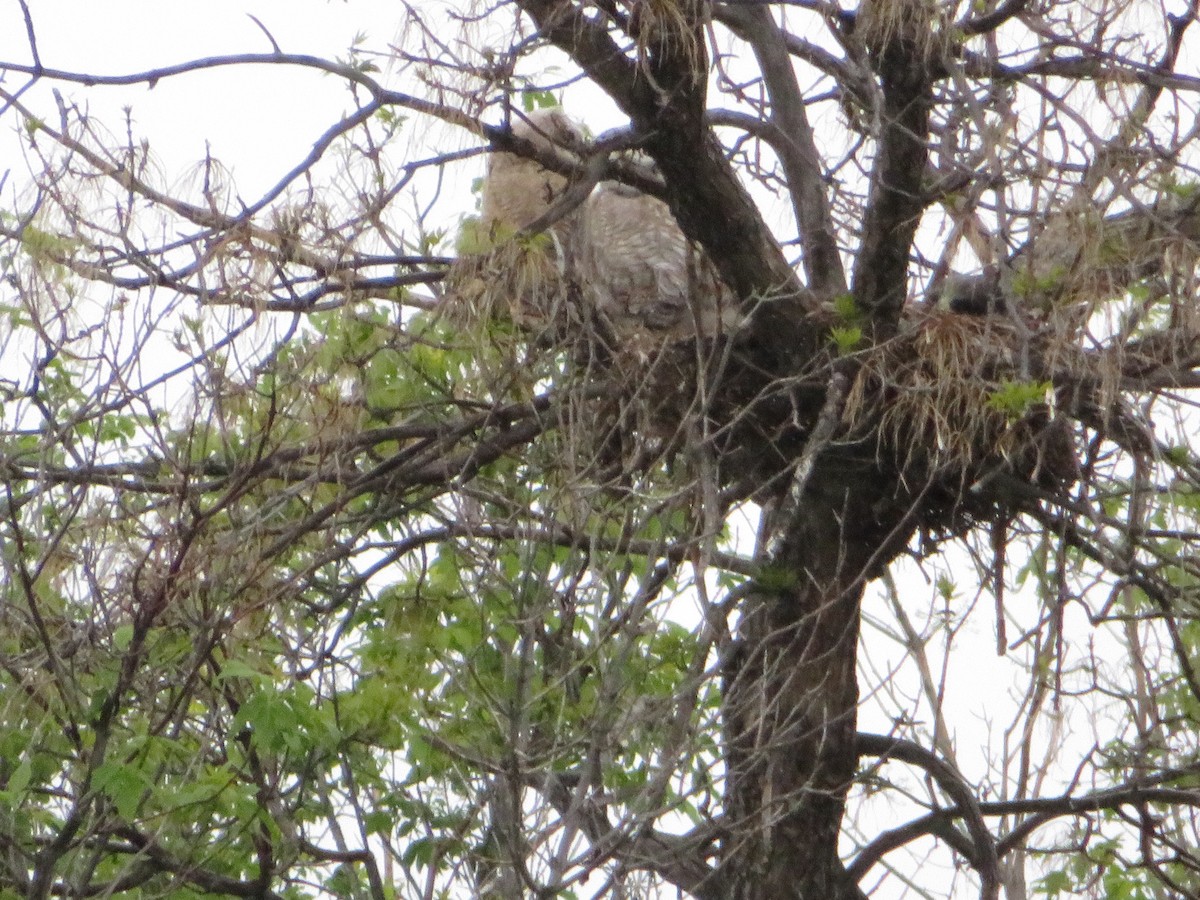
(517, 190)
(528, 275)
(635, 269)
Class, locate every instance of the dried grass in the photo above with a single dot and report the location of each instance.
(933, 400)
(518, 280)
(920, 25)
(662, 26)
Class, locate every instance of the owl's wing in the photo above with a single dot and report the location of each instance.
(639, 268)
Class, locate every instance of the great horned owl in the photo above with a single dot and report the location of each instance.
(500, 268)
(615, 282)
(635, 270)
(517, 190)
(640, 272)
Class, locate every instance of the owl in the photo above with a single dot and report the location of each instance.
(636, 272)
(518, 190)
(503, 272)
(640, 272)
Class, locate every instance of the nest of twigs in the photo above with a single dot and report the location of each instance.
(521, 280)
(955, 413)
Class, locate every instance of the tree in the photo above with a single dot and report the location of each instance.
(324, 576)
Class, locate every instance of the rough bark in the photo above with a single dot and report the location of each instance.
(897, 196)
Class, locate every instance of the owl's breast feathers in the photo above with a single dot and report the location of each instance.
(639, 268)
(518, 190)
(633, 264)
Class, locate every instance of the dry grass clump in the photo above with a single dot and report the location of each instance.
(668, 27)
(519, 279)
(919, 25)
(951, 405)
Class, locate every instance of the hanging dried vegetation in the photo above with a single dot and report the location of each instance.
(956, 406)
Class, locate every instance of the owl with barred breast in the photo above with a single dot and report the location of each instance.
(638, 275)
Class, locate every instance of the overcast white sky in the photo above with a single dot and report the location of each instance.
(258, 120)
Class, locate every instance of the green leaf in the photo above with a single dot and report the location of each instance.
(19, 780)
(124, 785)
(122, 637)
(846, 309)
(846, 338)
(1016, 398)
(236, 668)
(533, 100)
(273, 723)
(1054, 884)
(378, 822)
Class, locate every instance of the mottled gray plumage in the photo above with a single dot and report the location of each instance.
(639, 268)
(636, 270)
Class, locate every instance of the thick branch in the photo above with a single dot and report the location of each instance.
(940, 823)
(980, 852)
(797, 150)
(679, 859)
(186, 870)
(896, 198)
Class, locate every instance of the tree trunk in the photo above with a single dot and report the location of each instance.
(791, 694)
